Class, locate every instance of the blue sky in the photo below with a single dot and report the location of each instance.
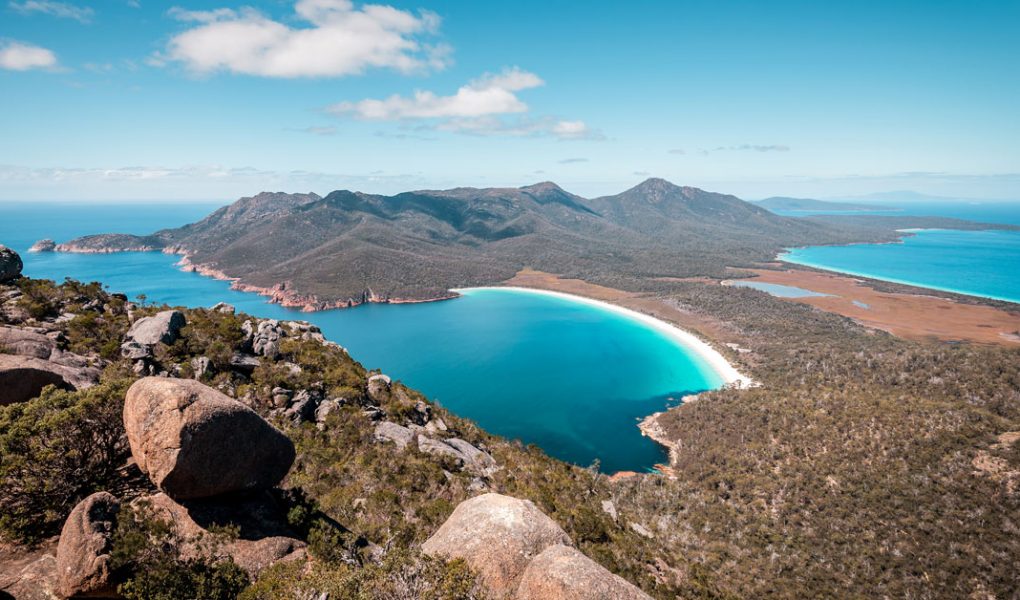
(141, 99)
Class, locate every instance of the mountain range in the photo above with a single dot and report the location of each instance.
(350, 247)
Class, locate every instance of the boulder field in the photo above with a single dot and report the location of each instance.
(213, 459)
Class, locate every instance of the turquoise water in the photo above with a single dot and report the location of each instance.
(569, 377)
(778, 290)
(979, 263)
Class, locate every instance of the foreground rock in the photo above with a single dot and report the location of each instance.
(23, 377)
(497, 536)
(10, 264)
(83, 554)
(195, 442)
(564, 573)
(27, 575)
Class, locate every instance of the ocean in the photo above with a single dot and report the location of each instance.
(569, 377)
(979, 263)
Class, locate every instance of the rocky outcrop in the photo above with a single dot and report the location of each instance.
(563, 573)
(30, 575)
(223, 307)
(10, 264)
(162, 327)
(45, 245)
(391, 432)
(379, 388)
(23, 377)
(83, 555)
(264, 537)
(264, 337)
(195, 442)
(26, 342)
(497, 536)
(466, 455)
(145, 333)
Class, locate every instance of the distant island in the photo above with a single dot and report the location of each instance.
(787, 203)
(348, 248)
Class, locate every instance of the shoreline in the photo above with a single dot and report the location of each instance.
(730, 376)
(804, 263)
(785, 255)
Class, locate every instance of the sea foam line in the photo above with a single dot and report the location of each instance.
(716, 361)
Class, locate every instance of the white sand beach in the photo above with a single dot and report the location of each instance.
(715, 360)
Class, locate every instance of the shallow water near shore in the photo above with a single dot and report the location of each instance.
(570, 377)
(979, 263)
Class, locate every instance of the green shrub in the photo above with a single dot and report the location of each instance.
(55, 450)
(146, 554)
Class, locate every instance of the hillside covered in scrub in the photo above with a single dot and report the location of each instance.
(864, 465)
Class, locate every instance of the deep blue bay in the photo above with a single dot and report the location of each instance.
(570, 377)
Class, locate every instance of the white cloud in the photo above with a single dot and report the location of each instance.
(17, 56)
(489, 95)
(340, 40)
(486, 106)
(62, 10)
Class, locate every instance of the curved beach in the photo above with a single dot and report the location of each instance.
(716, 361)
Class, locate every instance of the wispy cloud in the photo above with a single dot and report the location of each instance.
(753, 147)
(677, 151)
(489, 105)
(570, 161)
(339, 40)
(320, 130)
(61, 10)
(18, 56)
(190, 182)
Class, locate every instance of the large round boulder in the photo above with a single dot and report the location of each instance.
(10, 264)
(497, 536)
(564, 573)
(83, 554)
(195, 442)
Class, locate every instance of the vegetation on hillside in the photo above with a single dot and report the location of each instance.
(857, 466)
(864, 465)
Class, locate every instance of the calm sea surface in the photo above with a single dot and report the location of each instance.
(979, 263)
(569, 377)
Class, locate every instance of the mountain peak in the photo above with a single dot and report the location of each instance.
(542, 187)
